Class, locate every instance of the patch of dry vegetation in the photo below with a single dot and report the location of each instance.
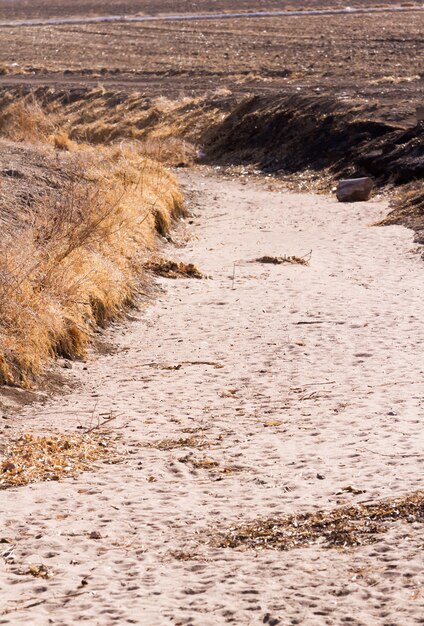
(342, 527)
(280, 260)
(162, 129)
(34, 458)
(76, 230)
(173, 269)
(183, 442)
(25, 120)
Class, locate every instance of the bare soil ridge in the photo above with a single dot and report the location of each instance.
(200, 17)
(21, 9)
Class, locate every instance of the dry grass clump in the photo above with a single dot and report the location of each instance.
(173, 269)
(74, 257)
(41, 458)
(173, 151)
(172, 125)
(163, 129)
(342, 527)
(25, 120)
(61, 141)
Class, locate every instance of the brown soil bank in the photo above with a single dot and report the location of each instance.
(296, 132)
(278, 133)
(289, 134)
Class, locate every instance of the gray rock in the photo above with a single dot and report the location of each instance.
(419, 237)
(354, 189)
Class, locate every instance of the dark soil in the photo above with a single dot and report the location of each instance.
(290, 134)
(338, 55)
(30, 9)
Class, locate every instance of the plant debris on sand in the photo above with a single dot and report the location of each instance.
(33, 458)
(342, 527)
(279, 260)
(38, 571)
(206, 463)
(184, 442)
(173, 269)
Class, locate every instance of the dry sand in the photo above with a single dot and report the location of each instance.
(347, 388)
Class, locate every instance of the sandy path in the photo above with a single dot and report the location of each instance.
(348, 391)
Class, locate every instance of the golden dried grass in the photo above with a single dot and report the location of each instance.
(165, 130)
(25, 120)
(173, 151)
(76, 260)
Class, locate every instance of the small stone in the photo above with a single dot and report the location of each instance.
(95, 534)
(13, 173)
(354, 189)
(320, 476)
(419, 237)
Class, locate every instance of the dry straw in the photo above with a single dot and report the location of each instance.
(33, 458)
(72, 257)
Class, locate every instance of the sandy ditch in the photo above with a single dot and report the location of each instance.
(317, 403)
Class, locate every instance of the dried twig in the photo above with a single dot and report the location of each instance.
(233, 277)
(319, 322)
(100, 425)
(401, 454)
